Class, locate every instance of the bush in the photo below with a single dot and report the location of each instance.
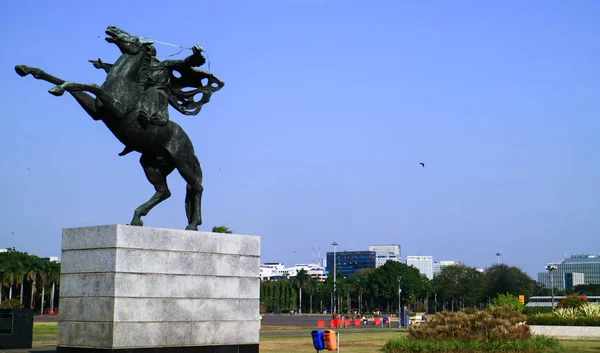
(536, 344)
(573, 301)
(11, 304)
(497, 324)
(555, 320)
(589, 309)
(508, 300)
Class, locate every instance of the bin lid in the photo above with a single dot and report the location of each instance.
(316, 332)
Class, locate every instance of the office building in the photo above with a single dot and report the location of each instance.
(572, 271)
(423, 263)
(385, 253)
(313, 270)
(439, 266)
(349, 262)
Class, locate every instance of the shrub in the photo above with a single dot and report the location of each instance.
(536, 344)
(11, 304)
(498, 323)
(508, 300)
(573, 301)
(566, 312)
(590, 310)
(555, 320)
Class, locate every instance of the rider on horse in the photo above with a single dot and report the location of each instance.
(156, 85)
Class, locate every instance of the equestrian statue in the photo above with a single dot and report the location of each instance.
(133, 103)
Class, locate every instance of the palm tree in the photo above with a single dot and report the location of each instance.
(221, 229)
(311, 287)
(301, 279)
(31, 276)
(53, 275)
(43, 282)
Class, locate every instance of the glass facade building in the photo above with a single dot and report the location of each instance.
(578, 269)
(348, 262)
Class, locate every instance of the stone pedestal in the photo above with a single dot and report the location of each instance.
(129, 289)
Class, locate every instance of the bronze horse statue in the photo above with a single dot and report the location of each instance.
(133, 103)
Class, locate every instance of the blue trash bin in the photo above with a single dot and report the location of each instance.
(384, 319)
(318, 341)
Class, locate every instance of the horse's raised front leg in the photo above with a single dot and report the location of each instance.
(86, 101)
(113, 104)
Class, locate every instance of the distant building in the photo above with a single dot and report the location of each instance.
(573, 271)
(423, 263)
(439, 266)
(314, 270)
(349, 262)
(385, 253)
(270, 271)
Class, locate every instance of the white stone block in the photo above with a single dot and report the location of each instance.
(140, 287)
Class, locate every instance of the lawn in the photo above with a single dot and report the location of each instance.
(353, 341)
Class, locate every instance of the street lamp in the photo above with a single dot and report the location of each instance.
(498, 257)
(334, 271)
(399, 301)
(551, 268)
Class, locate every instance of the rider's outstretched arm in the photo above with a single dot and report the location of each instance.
(99, 64)
(196, 59)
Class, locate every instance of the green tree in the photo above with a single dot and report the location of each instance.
(458, 286)
(502, 278)
(383, 283)
(360, 280)
(588, 289)
(221, 229)
(300, 281)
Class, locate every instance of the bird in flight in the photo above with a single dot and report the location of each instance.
(422, 164)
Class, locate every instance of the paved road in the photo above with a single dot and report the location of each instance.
(296, 320)
(270, 320)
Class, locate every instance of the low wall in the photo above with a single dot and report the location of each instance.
(568, 332)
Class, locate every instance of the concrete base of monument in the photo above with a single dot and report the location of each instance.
(140, 289)
(249, 348)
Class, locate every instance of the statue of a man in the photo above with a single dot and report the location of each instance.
(155, 85)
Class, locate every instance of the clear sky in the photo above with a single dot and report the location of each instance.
(328, 108)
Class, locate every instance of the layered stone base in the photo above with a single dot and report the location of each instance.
(249, 348)
(130, 289)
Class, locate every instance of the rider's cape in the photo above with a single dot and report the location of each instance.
(191, 80)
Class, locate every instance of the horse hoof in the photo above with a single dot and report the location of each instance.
(57, 91)
(21, 70)
(191, 227)
(137, 222)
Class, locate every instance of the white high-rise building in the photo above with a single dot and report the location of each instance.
(385, 253)
(423, 263)
(271, 270)
(439, 266)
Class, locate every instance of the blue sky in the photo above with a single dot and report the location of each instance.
(328, 108)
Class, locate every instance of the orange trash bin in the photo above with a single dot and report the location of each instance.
(329, 336)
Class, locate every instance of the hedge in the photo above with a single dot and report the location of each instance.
(553, 320)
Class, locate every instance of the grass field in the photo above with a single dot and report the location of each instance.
(353, 341)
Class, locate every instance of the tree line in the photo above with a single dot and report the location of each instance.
(32, 280)
(456, 287)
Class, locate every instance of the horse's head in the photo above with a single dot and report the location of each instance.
(128, 43)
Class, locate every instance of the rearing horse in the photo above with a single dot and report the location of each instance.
(117, 104)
